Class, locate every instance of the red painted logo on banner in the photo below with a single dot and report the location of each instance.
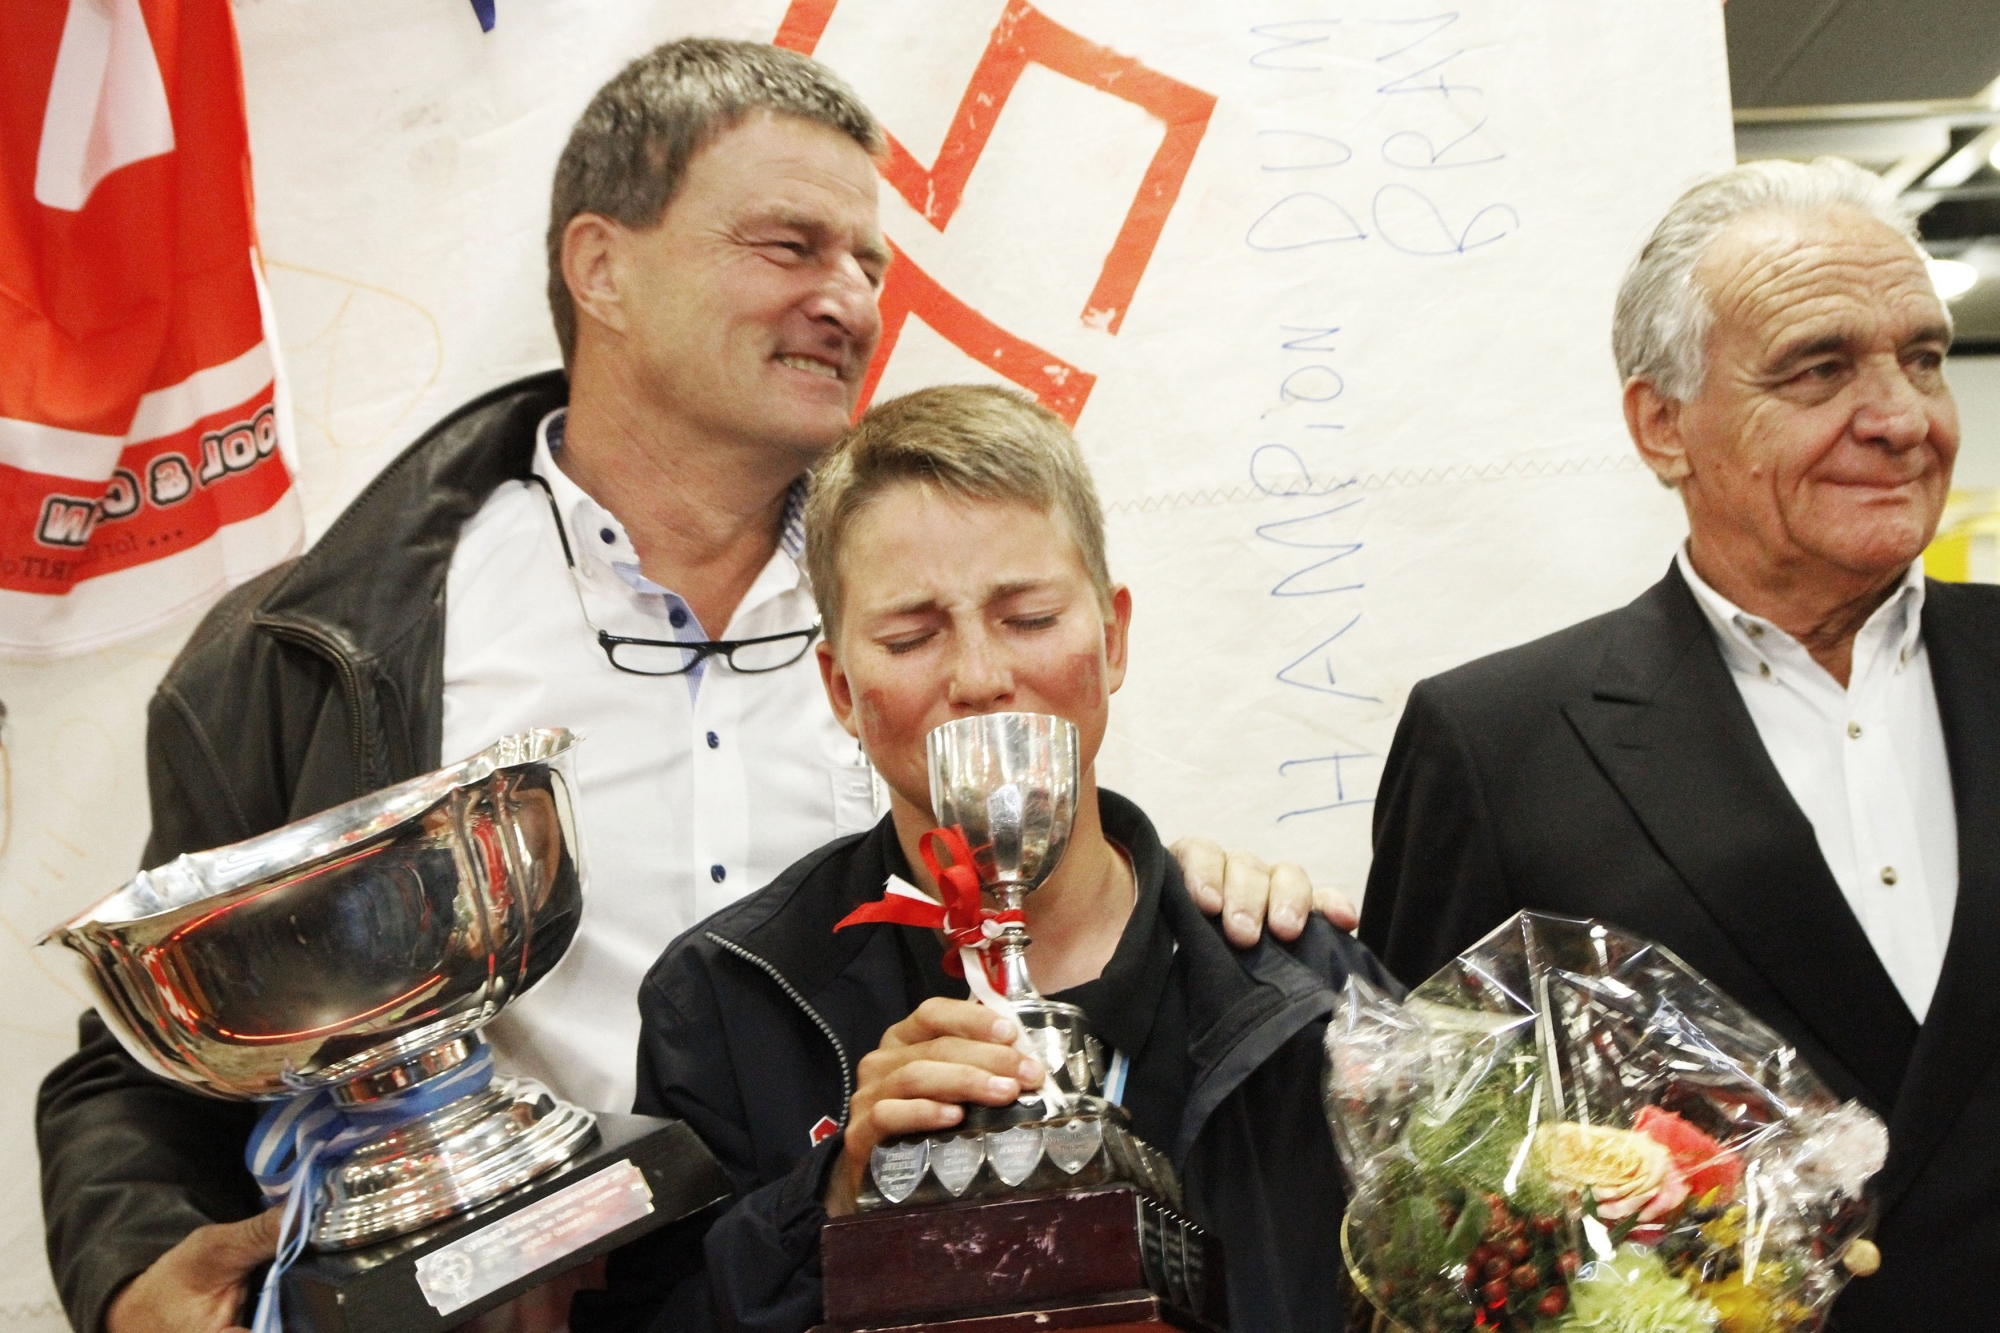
(137, 420)
(1025, 36)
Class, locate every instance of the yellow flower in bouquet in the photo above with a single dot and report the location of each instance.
(1758, 1303)
(1625, 1171)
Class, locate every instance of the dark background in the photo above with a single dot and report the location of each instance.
(1908, 88)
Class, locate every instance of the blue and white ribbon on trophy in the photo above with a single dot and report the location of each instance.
(299, 1140)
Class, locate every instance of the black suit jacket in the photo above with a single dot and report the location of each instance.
(1612, 771)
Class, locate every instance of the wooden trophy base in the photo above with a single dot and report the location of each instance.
(1141, 1312)
(1108, 1259)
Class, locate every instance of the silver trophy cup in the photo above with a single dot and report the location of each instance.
(1011, 781)
(361, 950)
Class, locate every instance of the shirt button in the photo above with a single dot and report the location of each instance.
(718, 874)
(608, 535)
(714, 741)
(1764, 670)
(1888, 874)
(677, 618)
(1854, 731)
(1756, 631)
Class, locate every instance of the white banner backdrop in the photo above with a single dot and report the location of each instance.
(1326, 288)
(1358, 420)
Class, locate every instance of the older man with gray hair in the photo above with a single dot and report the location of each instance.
(1783, 760)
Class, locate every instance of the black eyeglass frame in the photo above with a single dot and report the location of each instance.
(700, 650)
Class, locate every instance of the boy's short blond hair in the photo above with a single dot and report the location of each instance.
(972, 441)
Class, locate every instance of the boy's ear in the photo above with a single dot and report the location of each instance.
(1117, 637)
(839, 690)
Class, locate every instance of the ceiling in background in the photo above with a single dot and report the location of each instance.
(1910, 90)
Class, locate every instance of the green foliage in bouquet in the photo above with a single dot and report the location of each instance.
(1468, 1231)
(1417, 1232)
(1478, 1146)
(1632, 1292)
(1409, 1238)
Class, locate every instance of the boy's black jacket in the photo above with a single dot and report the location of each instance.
(755, 1019)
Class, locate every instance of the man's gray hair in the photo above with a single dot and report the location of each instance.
(631, 147)
(1660, 329)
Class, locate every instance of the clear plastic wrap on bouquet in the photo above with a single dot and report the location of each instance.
(1568, 1129)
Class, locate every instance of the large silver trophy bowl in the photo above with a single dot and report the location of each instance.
(360, 950)
(1010, 782)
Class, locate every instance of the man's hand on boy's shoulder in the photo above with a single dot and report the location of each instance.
(946, 1053)
(1251, 893)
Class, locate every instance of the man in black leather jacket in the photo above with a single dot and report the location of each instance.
(324, 680)
(302, 689)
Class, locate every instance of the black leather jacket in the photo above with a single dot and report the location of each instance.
(317, 682)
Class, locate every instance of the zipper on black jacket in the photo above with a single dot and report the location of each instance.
(770, 970)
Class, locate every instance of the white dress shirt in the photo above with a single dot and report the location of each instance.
(1866, 764)
(691, 790)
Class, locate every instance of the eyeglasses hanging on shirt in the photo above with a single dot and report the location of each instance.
(670, 657)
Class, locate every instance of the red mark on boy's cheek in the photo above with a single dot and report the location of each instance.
(874, 716)
(885, 728)
(1085, 672)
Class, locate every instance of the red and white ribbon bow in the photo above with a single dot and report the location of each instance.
(969, 925)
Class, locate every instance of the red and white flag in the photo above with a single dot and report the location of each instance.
(140, 467)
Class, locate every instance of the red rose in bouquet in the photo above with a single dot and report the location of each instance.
(1707, 1166)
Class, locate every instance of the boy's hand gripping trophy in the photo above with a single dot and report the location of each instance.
(1004, 790)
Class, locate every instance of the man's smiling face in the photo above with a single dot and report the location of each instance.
(1819, 448)
(754, 297)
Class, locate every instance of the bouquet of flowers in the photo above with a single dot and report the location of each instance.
(1568, 1130)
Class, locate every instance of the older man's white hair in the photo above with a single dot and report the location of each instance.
(1660, 329)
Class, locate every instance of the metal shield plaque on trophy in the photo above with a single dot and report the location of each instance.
(956, 1161)
(1073, 1143)
(898, 1168)
(1015, 1153)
